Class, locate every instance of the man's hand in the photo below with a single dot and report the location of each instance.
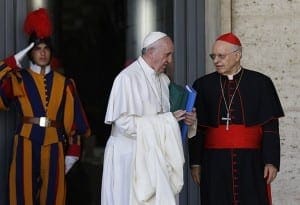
(270, 173)
(179, 115)
(14, 60)
(190, 117)
(195, 172)
(20, 55)
(69, 162)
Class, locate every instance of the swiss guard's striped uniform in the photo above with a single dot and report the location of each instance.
(51, 116)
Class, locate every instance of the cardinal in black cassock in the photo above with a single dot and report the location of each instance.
(236, 153)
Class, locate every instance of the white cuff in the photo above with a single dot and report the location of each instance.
(69, 162)
(192, 130)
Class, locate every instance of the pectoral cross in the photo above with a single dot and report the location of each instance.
(227, 118)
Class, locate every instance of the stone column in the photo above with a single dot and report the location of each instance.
(218, 20)
(36, 4)
(140, 20)
(226, 16)
(212, 29)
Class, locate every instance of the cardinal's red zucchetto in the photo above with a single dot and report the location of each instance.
(230, 38)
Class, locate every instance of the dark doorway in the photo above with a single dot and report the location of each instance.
(92, 50)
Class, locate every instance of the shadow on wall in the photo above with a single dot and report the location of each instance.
(84, 184)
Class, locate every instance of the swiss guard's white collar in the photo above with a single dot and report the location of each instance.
(37, 69)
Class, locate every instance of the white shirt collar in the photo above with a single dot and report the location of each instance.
(230, 77)
(37, 69)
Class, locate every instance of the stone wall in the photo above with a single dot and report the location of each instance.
(270, 33)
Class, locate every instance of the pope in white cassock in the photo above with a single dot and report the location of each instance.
(143, 160)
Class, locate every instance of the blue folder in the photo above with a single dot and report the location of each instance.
(188, 107)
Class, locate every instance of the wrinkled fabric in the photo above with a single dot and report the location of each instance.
(158, 166)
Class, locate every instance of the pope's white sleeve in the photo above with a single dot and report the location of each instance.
(127, 125)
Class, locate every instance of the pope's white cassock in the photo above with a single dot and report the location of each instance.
(143, 161)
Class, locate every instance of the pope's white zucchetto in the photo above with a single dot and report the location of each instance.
(152, 37)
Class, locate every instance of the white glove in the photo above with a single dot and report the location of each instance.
(69, 162)
(20, 55)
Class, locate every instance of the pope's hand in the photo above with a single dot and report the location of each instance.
(179, 115)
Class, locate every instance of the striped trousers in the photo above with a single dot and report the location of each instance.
(37, 174)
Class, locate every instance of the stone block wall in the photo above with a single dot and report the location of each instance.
(270, 33)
